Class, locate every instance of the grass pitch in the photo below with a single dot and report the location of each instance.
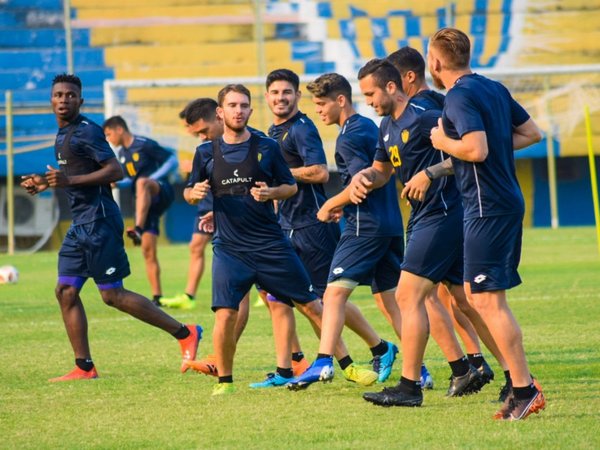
(142, 401)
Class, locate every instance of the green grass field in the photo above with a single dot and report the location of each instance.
(142, 401)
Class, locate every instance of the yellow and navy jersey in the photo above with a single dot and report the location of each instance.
(406, 143)
(80, 148)
(142, 158)
(476, 103)
(379, 214)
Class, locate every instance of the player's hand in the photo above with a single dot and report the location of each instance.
(360, 186)
(261, 192)
(438, 135)
(200, 191)
(327, 214)
(416, 187)
(207, 223)
(34, 184)
(56, 178)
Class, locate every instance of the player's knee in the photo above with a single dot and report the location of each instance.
(65, 294)
(110, 297)
(142, 183)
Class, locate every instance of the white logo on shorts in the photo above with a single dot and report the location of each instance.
(386, 137)
(110, 271)
(310, 288)
(480, 278)
(338, 270)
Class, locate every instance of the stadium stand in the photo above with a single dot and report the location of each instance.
(154, 39)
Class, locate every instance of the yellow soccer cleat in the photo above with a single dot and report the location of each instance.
(360, 375)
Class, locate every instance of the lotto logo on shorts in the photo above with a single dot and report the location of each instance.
(338, 270)
(110, 271)
(480, 278)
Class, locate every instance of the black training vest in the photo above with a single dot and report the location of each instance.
(235, 178)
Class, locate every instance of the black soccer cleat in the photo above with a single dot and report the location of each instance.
(505, 391)
(393, 396)
(487, 374)
(469, 383)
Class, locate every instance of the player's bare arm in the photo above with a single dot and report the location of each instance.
(261, 192)
(316, 174)
(368, 179)
(417, 186)
(471, 147)
(332, 209)
(526, 134)
(109, 172)
(34, 184)
(196, 193)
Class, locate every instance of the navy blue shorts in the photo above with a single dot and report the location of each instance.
(277, 270)
(315, 245)
(160, 203)
(95, 250)
(493, 252)
(434, 248)
(373, 261)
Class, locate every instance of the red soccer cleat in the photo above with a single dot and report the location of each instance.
(189, 345)
(76, 374)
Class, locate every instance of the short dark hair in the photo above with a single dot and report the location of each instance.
(283, 75)
(114, 122)
(67, 78)
(239, 88)
(382, 71)
(202, 108)
(330, 85)
(408, 59)
(455, 47)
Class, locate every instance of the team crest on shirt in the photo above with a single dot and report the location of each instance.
(259, 157)
(135, 156)
(405, 135)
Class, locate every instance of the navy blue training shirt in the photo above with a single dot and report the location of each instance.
(476, 103)
(406, 143)
(379, 214)
(240, 221)
(301, 146)
(79, 149)
(143, 158)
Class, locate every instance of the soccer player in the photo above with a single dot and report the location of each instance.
(313, 240)
(93, 246)
(147, 167)
(480, 128)
(371, 247)
(434, 241)
(200, 120)
(467, 322)
(246, 172)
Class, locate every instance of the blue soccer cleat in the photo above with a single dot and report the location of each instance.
(320, 370)
(272, 380)
(426, 380)
(382, 364)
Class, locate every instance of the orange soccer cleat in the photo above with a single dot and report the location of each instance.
(189, 345)
(207, 366)
(76, 374)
